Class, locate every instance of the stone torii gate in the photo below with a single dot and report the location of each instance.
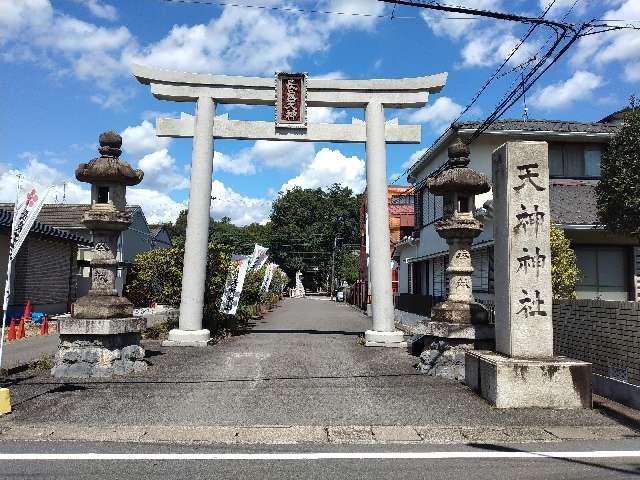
(291, 93)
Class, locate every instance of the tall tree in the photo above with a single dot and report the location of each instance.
(618, 192)
(305, 224)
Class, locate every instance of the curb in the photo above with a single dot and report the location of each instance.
(302, 434)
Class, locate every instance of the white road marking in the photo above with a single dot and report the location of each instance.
(318, 455)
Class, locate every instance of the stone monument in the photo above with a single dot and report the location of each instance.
(523, 371)
(298, 290)
(459, 323)
(102, 337)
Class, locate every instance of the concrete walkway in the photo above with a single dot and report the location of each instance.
(302, 365)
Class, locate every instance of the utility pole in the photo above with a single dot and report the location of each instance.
(333, 265)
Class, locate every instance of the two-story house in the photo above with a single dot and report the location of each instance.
(607, 262)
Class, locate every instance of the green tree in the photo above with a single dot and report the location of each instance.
(618, 192)
(564, 270)
(348, 266)
(305, 223)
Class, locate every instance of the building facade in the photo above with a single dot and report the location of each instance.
(44, 270)
(136, 239)
(400, 200)
(609, 263)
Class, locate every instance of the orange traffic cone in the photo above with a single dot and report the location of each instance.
(21, 328)
(44, 328)
(26, 315)
(12, 330)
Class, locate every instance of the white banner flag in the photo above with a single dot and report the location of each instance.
(258, 258)
(268, 275)
(28, 206)
(233, 285)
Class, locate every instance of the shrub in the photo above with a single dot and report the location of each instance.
(156, 277)
(564, 270)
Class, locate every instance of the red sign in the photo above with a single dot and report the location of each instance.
(291, 108)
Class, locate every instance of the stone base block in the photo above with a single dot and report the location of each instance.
(84, 356)
(384, 339)
(187, 338)
(446, 344)
(102, 306)
(553, 382)
(101, 326)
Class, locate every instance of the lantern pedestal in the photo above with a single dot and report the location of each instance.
(92, 347)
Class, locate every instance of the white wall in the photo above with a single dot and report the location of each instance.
(480, 155)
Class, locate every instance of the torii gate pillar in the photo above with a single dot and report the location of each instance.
(190, 331)
(300, 92)
(383, 331)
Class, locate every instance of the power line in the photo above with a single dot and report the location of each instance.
(289, 9)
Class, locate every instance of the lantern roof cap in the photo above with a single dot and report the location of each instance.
(458, 177)
(108, 168)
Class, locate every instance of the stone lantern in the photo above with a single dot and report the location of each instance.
(458, 186)
(102, 337)
(459, 323)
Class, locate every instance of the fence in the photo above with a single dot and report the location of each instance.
(606, 334)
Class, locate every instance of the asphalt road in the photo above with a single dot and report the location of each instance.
(301, 364)
(576, 460)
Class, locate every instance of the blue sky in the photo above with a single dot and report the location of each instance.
(66, 77)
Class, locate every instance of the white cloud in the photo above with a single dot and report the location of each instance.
(438, 116)
(615, 46)
(325, 115)
(240, 209)
(141, 139)
(484, 42)
(415, 156)
(239, 40)
(282, 154)
(99, 9)
(632, 72)
(238, 165)
(443, 25)
(562, 94)
(335, 75)
(329, 167)
(491, 47)
(561, 7)
(36, 172)
(158, 207)
(160, 172)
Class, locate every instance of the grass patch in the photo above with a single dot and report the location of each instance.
(160, 331)
(44, 363)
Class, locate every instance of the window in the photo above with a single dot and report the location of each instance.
(103, 195)
(402, 199)
(574, 160)
(603, 273)
(431, 207)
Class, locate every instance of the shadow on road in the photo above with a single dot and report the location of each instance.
(632, 470)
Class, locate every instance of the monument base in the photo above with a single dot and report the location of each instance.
(445, 346)
(551, 382)
(99, 347)
(384, 339)
(187, 338)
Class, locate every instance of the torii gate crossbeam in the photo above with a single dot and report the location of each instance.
(207, 90)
